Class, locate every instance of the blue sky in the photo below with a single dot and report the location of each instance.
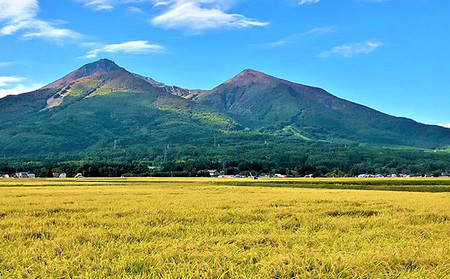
(391, 55)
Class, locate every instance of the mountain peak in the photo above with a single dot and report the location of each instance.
(250, 73)
(248, 76)
(101, 66)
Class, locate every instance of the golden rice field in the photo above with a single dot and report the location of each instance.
(202, 228)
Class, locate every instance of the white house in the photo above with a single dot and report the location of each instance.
(213, 173)
(21, 174)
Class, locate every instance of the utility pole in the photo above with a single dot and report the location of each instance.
(115, 144)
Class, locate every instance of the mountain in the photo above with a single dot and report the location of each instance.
(101, 105)
(97, 105)
(270, 104)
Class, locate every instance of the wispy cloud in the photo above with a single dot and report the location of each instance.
(6, 81)
(197, 16)
(444, 125)
(307, 2)
(12, 85)
(134, 47)
(21, 15)
(136, 10)
(5, 64)
(293, 38)
(98, 4)
(108, 5)
(350, 50)
(303, 2)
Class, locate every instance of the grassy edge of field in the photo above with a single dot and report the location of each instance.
(432, 185)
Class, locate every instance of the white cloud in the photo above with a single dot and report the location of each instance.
(320, 30)
(161, 3)
(45, 30)
(19, 89)
(303, 2)
(199, 15)
(98, 4)
(12, 85)
(293, 38)
(350, 50)
(6, 81)
(134, 47)
(22, 15)
(107, 5)
(445, 125)
(18, 10)
(136, 10)
(195, 16)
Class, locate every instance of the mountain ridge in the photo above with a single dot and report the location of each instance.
(101, 100)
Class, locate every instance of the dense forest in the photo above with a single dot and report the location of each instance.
(292, 158)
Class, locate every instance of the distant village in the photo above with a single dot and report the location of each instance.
(23, 174)
(217, 174)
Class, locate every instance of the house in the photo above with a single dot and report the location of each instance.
(213, 173)
(31, 175)
(21, 175)
(56, 175)
(79, 175)
(445, 174)
(62, 175)
(226, 176)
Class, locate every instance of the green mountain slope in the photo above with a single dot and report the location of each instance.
(102, 105)
(270, 104)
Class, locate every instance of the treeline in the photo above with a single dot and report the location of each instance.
(299, 159)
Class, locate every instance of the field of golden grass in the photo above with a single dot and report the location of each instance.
(208, 228)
